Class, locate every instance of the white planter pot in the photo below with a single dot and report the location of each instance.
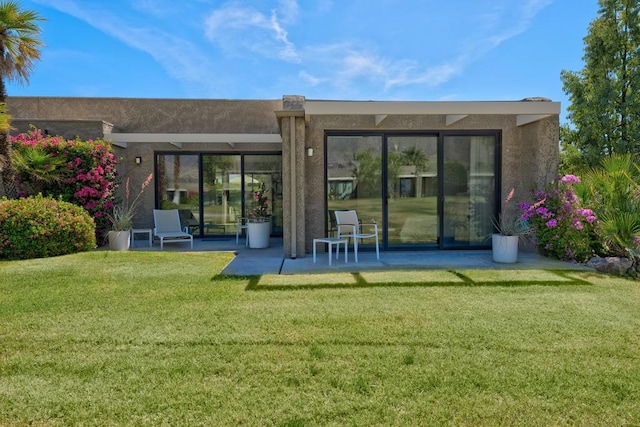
(504, 248)
(119, 240)
(259, 234)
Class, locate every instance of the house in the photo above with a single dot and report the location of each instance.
(431, 174)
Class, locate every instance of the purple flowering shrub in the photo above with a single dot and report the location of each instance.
(87, 179)
(560, 226)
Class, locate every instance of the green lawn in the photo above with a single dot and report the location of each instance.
(153, 338)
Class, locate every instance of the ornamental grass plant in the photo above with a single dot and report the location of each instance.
(508, 222)
(122, 215)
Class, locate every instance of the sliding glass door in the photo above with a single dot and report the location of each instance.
(468, 191)
(425, 190)
(354, 177)
(221, 193)
(211, 191)
(412, 190)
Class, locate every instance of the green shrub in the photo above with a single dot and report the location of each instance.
(38, 227)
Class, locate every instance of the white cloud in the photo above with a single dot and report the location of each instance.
(159, 8)
(500, 24)
(288, 50)
(235, 26)
(179, 57)
(288, 11)
(311, 80)
(249, 30)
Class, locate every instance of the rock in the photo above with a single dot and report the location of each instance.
(611, 265)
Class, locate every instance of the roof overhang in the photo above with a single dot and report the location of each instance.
(526, 111)
(177, 139)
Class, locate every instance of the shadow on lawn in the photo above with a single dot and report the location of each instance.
(451, 278)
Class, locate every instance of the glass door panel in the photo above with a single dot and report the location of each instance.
(265, 169)
(354, 178)
(221, 201)
(178, 187)
(468, 190)
(412, 190)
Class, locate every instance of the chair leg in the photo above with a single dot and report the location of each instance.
(355, 247)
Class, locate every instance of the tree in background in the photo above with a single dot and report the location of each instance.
(19, 48)
(604, 113)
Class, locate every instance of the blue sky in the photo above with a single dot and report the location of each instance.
(415, 50)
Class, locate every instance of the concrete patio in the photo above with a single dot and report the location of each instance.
(249, 262)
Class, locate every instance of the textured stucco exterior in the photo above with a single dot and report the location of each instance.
(529, 153)
(92, 118)
(154, 115)
(529, 147)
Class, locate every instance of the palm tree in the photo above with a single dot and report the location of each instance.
(40, 167)
(19, 48)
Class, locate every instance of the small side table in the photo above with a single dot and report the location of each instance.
(146, 231)
(330, 241)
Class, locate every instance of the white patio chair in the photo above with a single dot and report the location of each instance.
(349, 227)
(167, 227)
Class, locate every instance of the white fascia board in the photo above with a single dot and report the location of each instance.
(203, 138)
(430, 107)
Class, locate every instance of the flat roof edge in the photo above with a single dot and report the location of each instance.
(316, 107)
(225, 138)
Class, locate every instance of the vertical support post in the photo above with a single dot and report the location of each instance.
(291, 122)
(293, 187)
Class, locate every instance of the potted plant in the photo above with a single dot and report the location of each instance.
(121, 218)
(504, 243)
(259, 226)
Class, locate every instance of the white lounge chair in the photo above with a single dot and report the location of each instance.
(349, 227)
(167, 227)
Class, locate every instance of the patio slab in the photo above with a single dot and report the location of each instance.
(426, 260)
(250, 262)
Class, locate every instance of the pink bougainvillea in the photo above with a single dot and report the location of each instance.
(89, 179)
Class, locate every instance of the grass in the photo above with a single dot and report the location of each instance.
(149, 338)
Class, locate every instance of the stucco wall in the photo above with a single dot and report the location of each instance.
(90, 118)
(529, 153)
(139, 115)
